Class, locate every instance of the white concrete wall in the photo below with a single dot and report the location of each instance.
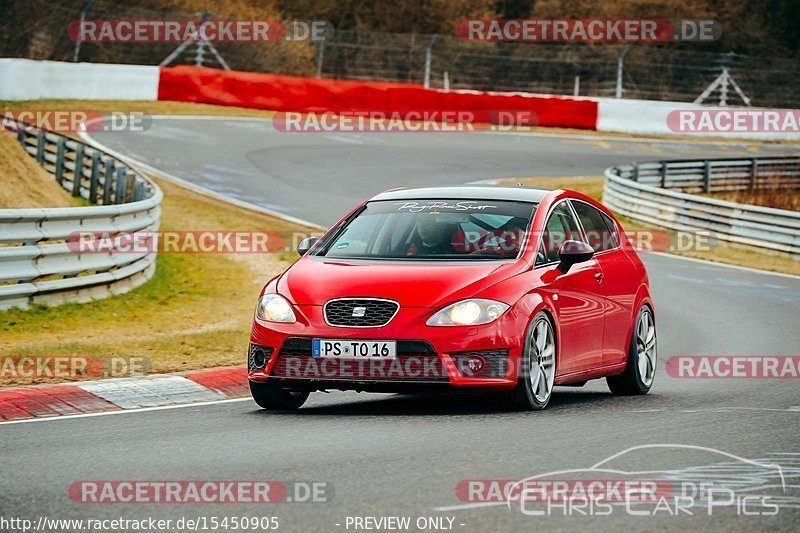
(650, 118)
(25, 79)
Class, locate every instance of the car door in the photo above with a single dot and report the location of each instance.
(618, 283)
(576, 295)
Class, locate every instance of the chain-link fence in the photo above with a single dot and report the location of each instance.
(635, 71)
(38, 29)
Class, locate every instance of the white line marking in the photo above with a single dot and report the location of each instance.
(123, 411)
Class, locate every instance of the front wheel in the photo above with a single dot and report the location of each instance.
(271, 396)
(537, 371)
(640, 371)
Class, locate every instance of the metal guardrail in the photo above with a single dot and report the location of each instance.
(658, 193)
(39, 266)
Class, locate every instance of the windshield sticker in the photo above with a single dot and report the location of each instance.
(418, 207)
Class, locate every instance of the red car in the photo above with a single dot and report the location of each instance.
(486, 288)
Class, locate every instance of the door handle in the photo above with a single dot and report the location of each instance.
(598, 276)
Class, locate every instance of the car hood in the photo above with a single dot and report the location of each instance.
(314, 281)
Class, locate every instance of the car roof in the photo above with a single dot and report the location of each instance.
(467, 192)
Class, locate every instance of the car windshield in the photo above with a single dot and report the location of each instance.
(433, 230)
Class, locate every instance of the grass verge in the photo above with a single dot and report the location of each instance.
(787, 198)
(720, 252)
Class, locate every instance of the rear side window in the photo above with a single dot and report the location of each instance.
(560, 227)
(612, 228)
(598, 234)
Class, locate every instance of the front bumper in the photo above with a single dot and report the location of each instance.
(437, 358)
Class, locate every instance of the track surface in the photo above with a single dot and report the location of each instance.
(318, 176)
(404, 455)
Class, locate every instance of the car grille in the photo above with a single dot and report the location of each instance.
(416, 361)
(494, 363)
(374, 312)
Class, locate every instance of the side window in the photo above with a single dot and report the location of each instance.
(541, 256)
(560, 227)
(599, 237)
(612, 229)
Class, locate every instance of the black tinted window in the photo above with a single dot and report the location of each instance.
(560, 227)
(598, 234)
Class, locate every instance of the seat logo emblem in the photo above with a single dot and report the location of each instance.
(359, 311)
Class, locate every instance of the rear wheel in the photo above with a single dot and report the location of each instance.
(537, 371)
(642, 356)
(271, 396)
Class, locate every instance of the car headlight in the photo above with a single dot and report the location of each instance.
(468, 313)
(274, 308)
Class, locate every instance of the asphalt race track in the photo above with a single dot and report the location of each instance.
(393, 455)
(317, 176)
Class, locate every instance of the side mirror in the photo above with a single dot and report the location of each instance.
(573, 252)
(306, 244)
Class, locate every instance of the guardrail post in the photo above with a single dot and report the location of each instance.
(663, 174)
(77, 174)
(119, 190)
(636, 172)
(108, 181)
(706, 176)
(753, 174)
(59, 171)
(138, 191)
(94, 178)
(40, 142)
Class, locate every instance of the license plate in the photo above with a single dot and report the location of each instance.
(351, 348)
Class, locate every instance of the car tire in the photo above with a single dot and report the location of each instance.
(270, 396)
(640, 370)
(538, 363)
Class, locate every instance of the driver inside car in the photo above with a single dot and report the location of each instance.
(431, 237)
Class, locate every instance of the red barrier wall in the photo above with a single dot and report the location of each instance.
(290, 93)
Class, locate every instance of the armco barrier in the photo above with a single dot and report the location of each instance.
(656, 193)
(37, 265)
